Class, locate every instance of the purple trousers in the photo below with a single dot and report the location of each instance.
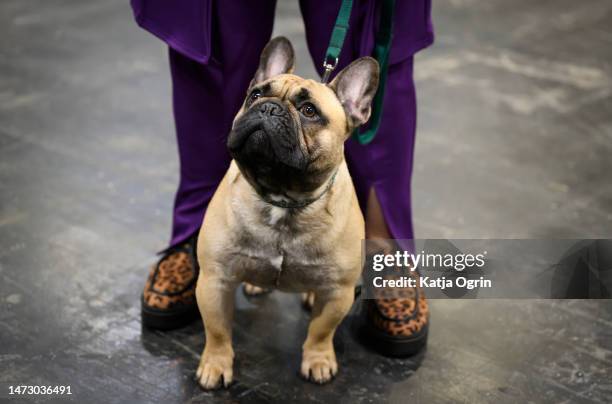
(210, 77)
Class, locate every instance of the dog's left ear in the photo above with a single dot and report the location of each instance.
(276, 58)
(355, 87)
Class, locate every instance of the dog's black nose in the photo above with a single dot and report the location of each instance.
(271, 108)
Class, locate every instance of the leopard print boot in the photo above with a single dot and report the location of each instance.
(397, 321)
(168, 300)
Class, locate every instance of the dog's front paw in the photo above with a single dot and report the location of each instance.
(252, 290)
(215, 371)
(319, 366)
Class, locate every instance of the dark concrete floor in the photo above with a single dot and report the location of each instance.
(514, 140)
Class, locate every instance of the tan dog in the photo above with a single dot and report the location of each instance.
(285, 215)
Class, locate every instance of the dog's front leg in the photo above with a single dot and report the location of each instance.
(216, 303)
(318, 356)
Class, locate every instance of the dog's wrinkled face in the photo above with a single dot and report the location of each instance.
(289, 134)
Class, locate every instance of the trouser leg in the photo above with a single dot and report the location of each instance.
(384, 165)
(205, 100)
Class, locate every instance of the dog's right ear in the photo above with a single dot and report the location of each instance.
(277, 58)
(355, 87)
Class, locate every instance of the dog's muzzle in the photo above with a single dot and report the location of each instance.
(267, 133)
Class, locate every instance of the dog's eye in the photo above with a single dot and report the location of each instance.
(255, 94)
(308, 110)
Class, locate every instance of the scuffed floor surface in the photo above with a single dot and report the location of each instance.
(514, 140)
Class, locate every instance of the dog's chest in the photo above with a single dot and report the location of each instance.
(271, 254)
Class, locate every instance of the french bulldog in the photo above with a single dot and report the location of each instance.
(286, 216)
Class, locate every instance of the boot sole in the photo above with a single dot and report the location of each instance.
(395, 347)
(167, 319)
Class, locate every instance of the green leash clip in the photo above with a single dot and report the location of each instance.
(382, 47)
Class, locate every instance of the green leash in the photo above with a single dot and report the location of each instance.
(382, 47)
